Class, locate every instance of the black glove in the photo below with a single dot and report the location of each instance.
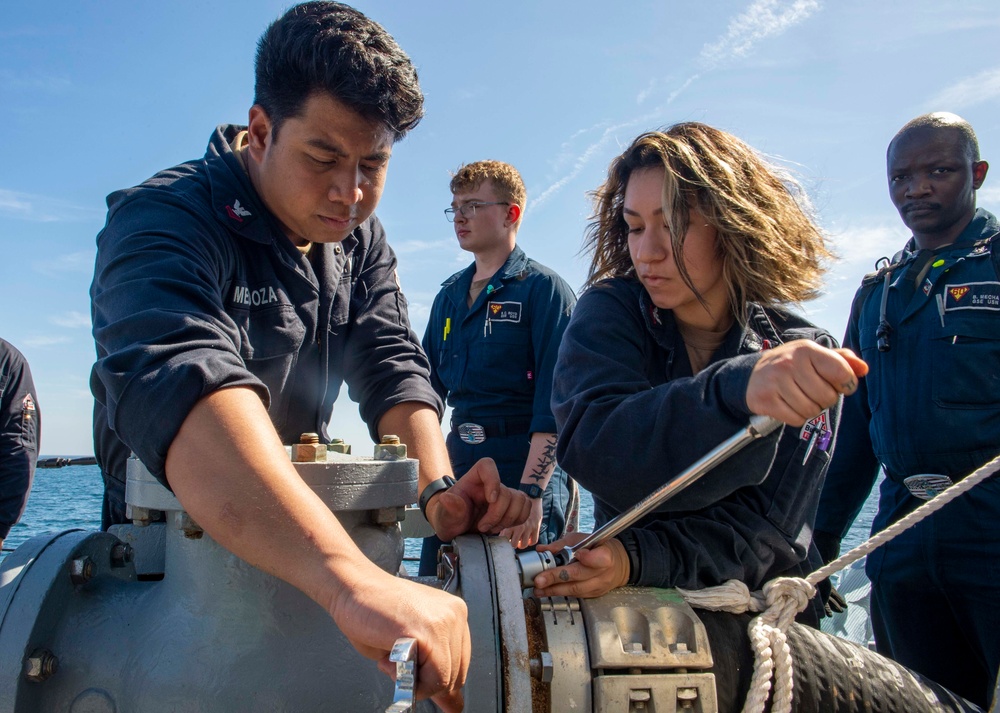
(829, 549)
(834, 603)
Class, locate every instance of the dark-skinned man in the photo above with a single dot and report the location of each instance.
(928, 413)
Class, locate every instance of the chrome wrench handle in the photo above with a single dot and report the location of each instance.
(532, 563)
(404, 655)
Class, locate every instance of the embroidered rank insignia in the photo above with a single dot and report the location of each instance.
(28, 403)
(973, 295)
(504, 311)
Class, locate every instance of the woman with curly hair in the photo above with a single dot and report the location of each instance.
(697, 246)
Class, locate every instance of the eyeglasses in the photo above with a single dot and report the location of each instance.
(468, 210)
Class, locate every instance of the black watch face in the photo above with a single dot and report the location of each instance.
(533, 491)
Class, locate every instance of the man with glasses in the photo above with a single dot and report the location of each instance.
(492, 340)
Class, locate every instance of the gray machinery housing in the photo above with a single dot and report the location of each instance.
(156, 617)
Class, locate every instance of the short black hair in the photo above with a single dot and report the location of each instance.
(942, 120)
(330, 47)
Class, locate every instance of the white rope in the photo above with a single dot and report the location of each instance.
(782, 598)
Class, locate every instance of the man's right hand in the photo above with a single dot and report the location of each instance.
(478, 502)
(374, 611)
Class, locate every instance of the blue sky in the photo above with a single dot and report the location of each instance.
(96, 96)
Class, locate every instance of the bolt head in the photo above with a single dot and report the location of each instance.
(40, 665)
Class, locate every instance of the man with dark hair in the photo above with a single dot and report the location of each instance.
(232, 297)
(492, 340)
(20, 431)
(928, 413)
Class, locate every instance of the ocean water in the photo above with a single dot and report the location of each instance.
(70, 497)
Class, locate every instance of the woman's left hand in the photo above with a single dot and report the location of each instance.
(592, 573)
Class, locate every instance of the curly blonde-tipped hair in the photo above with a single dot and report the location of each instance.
(772, 253)
(506, 181)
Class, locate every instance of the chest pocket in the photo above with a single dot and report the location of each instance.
(966, 361)
(504, 358)
(270, 342)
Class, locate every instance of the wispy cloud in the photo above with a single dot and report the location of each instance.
(970, 91)
(43, 209)
(405, 247)
(49, 83)
(583, 158)
(71, 320)
(82, 261)
(44, 340)
(763, 19)
(859, 246)
(988, 196)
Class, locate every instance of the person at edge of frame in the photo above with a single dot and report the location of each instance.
(697, 247)
(232, 297)
(928, 324)
(20, 433)
(492, 340)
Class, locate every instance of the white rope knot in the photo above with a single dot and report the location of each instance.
(780, 600)
(785, 597)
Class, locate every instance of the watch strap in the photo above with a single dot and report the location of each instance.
(433, 489)
(533, 490)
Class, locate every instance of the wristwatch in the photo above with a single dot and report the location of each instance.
(433, 489)
(532, 489)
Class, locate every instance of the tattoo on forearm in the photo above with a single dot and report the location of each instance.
(546, 460)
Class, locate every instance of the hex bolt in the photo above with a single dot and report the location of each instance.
(541, 668)
(40, 665)
(81, 570)
(337, 445)
(121, 554)
(140, 516)
(390, 449)
(309, 449)
(388, 516)
(186, 524)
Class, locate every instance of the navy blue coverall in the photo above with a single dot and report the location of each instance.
(631, 416)
(929, 405)
(197, 288)
(493, 364)
(20, 432)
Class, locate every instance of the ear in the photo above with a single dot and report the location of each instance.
(258, 131)
(513, 213)
(979, 169)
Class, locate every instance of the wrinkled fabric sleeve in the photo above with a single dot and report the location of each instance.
(384, 363)
(729, 540)
(622, 437)
(553, 301)
(18, 440)
(855, 468)
(163, 337)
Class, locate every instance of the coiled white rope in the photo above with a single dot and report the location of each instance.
(782, 598)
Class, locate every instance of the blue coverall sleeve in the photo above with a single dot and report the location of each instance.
(621, 436)
(164, 338)
(384, 363)
(553, 301)
(854, 468)
(20, 431)
(429, 344)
